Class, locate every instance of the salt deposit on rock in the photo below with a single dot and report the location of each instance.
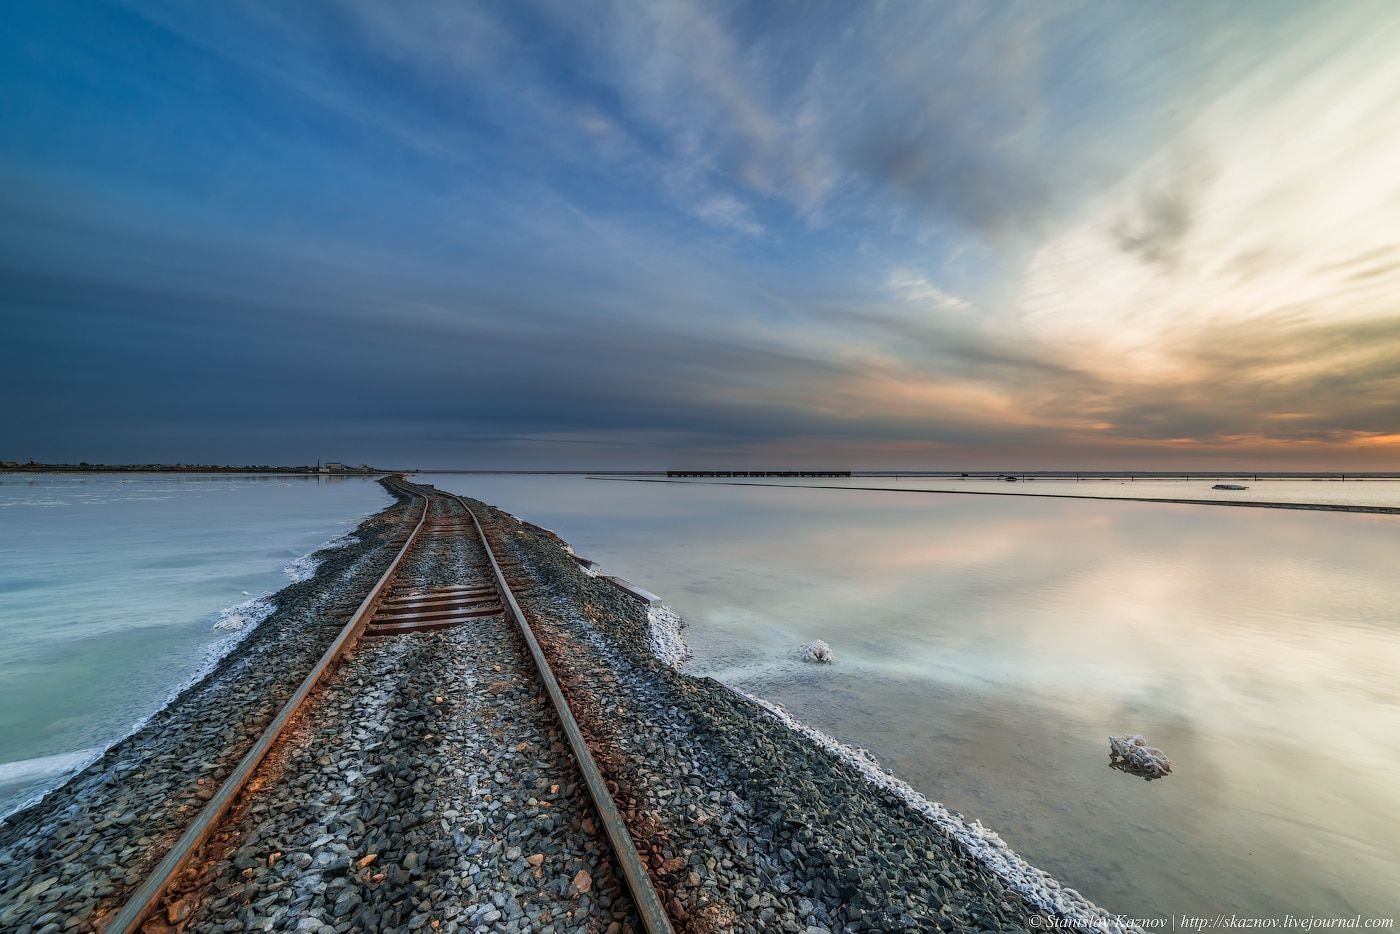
(1132, 754)
(817, 651)
(243, 615)
(664, 634)
(304, 568)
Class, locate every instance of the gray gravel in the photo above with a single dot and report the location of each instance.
(746, 824)
(78, 852)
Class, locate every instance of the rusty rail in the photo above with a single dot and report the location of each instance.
(146, 899)
(648, 903)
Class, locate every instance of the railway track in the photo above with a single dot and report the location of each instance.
(427, 772)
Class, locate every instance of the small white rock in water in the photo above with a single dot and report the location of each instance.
(817, 651)
(1132, 754)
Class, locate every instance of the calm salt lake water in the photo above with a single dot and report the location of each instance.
(987, 647)
(110, 586)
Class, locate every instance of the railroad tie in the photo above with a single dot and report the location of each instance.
(439, 608)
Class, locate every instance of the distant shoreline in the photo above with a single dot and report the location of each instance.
(189, 468)
(1320, 507)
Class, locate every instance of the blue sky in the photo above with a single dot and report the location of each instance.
(544, 234)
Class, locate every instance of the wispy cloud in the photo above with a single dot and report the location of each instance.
(916, 288)
(924, 230)
(728, 211)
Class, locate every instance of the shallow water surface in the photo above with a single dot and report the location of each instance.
(987, 647)
(1338, 492)
(110, 588)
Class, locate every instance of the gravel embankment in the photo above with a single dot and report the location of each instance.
(71, 858)
(747, 824)
(426, 787)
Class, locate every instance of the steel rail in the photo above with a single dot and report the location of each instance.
(648, 903)
(146, 898)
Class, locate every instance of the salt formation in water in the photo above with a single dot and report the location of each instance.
(817, 651)
(1132, 754)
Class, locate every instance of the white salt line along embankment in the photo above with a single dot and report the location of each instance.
(234, 623)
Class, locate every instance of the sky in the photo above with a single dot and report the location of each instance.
(551, 234)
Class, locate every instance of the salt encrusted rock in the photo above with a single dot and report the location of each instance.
(664, 635)
(1132, 754)
(817, 651)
